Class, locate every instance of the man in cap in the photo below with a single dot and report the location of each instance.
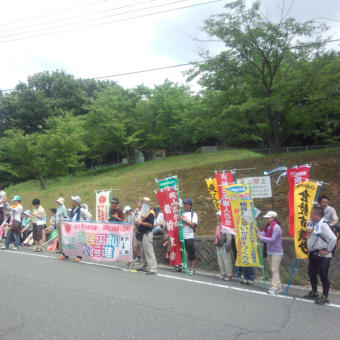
(189, 218)
(145, 223)
(116, 214)
(320, 243)
(14, 223)
(77, 214)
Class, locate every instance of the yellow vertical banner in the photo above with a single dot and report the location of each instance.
(304, 197)
(212, 187)
(245, 225)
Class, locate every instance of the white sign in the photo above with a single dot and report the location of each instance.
(260, 186)
(103, 205)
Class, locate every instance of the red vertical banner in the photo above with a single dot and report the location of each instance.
(294, 175)
(168, 202)
(223, 179)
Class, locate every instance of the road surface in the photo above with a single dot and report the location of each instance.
(43, 298)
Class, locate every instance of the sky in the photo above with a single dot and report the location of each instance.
(98, 40)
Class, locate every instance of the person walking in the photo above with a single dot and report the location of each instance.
(15, 211)
(145, 224)
(271, 234)
(224, 251)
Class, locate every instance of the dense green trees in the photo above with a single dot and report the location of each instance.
(274, 84)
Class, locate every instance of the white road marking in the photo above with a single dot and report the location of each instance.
(185, 279)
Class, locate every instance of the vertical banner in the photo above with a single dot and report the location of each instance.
(168, 202)
(223, 179)
(103, 205)
(304, 197)
(212, 187)
(242, 208)
(294, 175)
(98, 241)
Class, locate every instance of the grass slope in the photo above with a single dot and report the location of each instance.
(138, 180)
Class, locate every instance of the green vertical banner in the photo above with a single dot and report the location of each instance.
(172, 182)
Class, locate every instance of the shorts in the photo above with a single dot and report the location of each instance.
(190, 248)
(37, 232)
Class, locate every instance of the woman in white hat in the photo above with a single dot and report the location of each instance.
(272, 235)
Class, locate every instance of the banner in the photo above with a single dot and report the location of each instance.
(242, 207)
(294, 175)
(212, 187)
(261, 187)
(168, 202)
(103, 205)
(223, 179)
(98, 241)
(304, 197)
(171, 182)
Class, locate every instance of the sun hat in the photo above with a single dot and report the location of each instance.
(60, 200)
(270, 214)
(77, 199)
(126, 209)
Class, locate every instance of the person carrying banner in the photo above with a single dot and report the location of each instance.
(272, 235)
(190, 220)
(320, 243)
(223, 244)
(116, 214)
(145, 224)
(77, 214)
(14, 223)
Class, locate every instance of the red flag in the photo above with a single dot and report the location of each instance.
(168, 202)
(225, 178)
(294, 175)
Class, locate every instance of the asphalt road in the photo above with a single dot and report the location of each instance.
(43, 298)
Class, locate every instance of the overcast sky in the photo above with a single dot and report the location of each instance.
(122, 46)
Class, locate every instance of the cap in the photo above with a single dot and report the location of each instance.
(60, 200)
(270, 214)
(77, 199)
(115, 200)
(187, 201)
(16, 198)
(27, 212)
(126, 209)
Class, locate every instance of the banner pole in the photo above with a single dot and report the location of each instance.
(291, 276)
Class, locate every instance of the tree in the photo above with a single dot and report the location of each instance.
(260, 56)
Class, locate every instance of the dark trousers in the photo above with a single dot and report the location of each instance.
(1, 215)
(13, 236)
(319, 266)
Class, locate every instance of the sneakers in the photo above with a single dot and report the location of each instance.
(62, 257)
(4, 248)
(141, 269)
(321, 300)
(15, 248)
(177, 269)
(311, 295)
(227, 278)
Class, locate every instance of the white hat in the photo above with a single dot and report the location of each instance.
(270, 214)
(60, 200)
(218, 213)
(126, 209)
(146, 199)
(77, 199)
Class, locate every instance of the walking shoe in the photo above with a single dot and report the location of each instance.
(250, 282)
(273, 292)
(311, 295)
(15, 248)
(150, 273)
(227, 278)
(321, 300)
(62, 257)
(4, 248)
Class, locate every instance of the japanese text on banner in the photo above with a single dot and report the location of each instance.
(98, 241)
(223, 179)
(245, 225)
(103, 205)
(304, 196)
(212, 187)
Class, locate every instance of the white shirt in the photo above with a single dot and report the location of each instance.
(15, 213)
(329, 214)
(188, 232)
(2, 198)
